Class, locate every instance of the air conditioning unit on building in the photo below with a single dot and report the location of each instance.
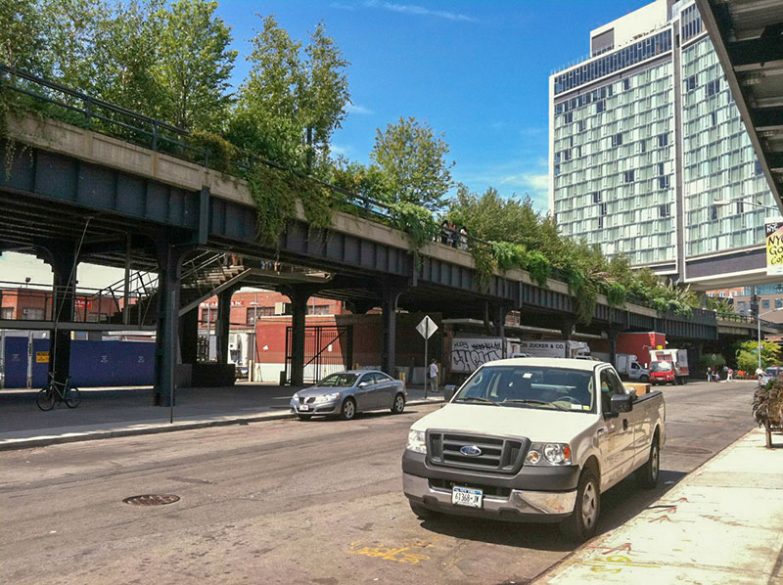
(282, 308)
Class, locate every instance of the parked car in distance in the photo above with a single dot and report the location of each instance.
(662, 373)
(770, 374)
(241, 371)
(534, 440)
(346, 393)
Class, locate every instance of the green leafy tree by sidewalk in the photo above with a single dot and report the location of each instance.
(748, 356)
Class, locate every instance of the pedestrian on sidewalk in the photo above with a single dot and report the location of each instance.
(433, 376)
(730, 375)
(709, 374)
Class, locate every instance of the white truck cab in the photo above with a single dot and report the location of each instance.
(534, 439)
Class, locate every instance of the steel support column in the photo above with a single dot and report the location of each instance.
(223, 325)
(170, 257)
(391, 295)
(299, 295)
(62, 258)
(188, 337)
(499, 323)
(612, 345)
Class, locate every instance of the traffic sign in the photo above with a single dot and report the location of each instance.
(426, 327)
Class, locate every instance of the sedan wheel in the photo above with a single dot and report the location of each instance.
(348, 410)
(399, 404)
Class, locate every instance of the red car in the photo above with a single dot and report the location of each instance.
(662, 373)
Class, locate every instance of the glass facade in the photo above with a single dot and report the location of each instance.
(719, 163)
(613, 165)
(623, 170)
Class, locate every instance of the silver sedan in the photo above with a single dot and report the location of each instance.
(347, 393)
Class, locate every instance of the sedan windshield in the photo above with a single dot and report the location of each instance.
(530, 387)
(339, 380)
(660, 367)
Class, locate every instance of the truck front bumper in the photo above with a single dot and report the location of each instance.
(520, 505)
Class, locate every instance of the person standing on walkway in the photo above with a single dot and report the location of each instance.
(729, 375)
(709, 374)
(433, 376)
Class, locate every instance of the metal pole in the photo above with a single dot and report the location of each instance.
(126, 283)
(426, 364)
(758, 324)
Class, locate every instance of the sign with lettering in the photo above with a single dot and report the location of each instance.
(41, 357)
(773, 230)
(467, 354)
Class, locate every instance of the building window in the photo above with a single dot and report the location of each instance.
(600, 222)
(581, 126)
(626, 84)
(666, 210)
(663, 182)
(690, 83)
(32, 314)
(557, 170)
(568, 118)
(779, 303)
(628, 176)
(7, 313)
(714, 118)
(600, 107)
(765, 304)
(318, 310)
(740, 207)
(602, 209)
(253, 313)
(712, 87)
(713, 212)
(642, 146)
(617, 140)
(663, 139)
(660, 168)
(596, 197)
(757, 167)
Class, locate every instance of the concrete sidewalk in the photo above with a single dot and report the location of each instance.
(106, 413)
(722, 524)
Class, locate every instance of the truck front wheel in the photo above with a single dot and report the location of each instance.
(582, 524)
(648, 473)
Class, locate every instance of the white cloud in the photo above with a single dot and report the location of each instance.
(341, 150)
(358, 109)
(519, 177)
(418, 10)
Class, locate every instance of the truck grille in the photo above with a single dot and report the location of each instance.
(497, 454)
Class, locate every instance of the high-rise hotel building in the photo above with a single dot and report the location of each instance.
(648, 154)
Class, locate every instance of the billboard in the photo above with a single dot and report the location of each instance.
(773, 230)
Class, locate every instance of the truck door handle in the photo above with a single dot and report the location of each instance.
(625, 424)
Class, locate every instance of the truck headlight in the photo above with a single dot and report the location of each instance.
(549, 453)
(417, 442)
(327, 397)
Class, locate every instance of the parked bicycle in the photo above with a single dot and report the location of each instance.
(55, 392)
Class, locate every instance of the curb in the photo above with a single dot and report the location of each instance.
(75, 437)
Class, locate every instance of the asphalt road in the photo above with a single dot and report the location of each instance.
(291, 502)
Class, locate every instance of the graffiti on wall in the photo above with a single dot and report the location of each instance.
(468, 354)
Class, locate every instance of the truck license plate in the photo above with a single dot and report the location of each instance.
(461, 496)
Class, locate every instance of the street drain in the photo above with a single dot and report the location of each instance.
(152, 500)
(688, 450)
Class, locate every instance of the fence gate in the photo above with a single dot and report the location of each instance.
(327, 349)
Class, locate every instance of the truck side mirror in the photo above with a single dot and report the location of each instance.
(448, 392)
(621, 403)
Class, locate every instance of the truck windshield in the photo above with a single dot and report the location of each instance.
(660, 366)
(530, 387)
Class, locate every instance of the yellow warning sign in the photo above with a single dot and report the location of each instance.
(41, 357)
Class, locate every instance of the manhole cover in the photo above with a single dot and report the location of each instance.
(152, 500)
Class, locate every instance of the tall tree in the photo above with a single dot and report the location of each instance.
(194, 65)
(290, 105)
(413, 158)
(127, 54)
(22, 36)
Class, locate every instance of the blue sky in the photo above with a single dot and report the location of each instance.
(476, 71)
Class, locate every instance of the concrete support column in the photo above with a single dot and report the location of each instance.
(167, 333)
(390, 295)
(62, 259)
(223, 324)
(188, 337)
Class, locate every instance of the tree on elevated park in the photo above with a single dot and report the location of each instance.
(748, 356)
(291, 103)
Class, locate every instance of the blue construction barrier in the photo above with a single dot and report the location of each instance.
(93, 363)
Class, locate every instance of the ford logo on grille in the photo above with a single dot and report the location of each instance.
(470, 451)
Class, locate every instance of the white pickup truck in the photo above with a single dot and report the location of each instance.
(534, 439)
